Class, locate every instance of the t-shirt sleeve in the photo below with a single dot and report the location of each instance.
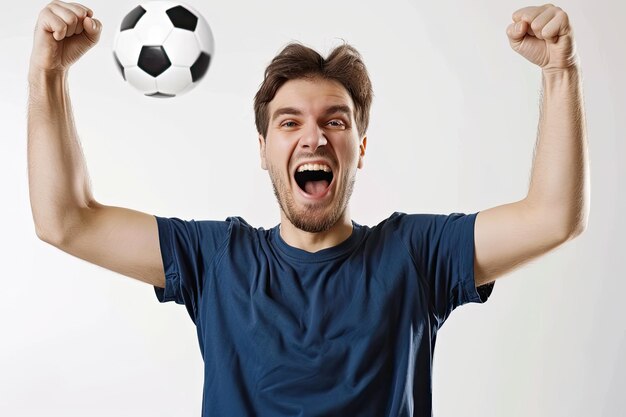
(187, 249)
(443, 250)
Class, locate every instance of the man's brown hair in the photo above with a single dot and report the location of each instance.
(344, 64)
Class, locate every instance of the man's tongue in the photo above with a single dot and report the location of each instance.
(316, 188)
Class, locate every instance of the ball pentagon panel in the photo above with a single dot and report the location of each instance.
(131, 19)
(182, 18)
(200, 67)
(153, 60)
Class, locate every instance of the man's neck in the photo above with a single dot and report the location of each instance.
(313, 242)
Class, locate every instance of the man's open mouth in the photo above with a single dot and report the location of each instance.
(314, 179)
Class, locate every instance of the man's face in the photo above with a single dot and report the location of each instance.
(312, 151)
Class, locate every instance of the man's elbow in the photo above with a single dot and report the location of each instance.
(562, 223)
(580, 218)
(48, 236)
(577, 229)
(572, 222)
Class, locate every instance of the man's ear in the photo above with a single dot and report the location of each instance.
(362, 147)
(262, 151)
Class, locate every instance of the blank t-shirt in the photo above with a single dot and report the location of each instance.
(346, 331)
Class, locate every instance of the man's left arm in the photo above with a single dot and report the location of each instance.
(556, 208)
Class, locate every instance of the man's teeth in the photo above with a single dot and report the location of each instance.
(314, 167)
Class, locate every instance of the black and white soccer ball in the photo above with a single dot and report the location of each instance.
(163, 48)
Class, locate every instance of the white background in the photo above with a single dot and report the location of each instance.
(453, 126)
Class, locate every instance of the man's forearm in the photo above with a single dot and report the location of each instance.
(560, 176)
(57, 173)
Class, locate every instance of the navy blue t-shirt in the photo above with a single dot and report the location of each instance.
(345, 331)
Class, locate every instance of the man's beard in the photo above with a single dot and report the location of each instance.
(313, 218)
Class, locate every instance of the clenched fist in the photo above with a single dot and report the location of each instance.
(64, 32)
(542, 34)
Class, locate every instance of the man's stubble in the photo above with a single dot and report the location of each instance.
(313, 218)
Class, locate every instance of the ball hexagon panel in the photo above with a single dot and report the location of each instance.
(182, 47)
(158, 6)
(119, 66)
(204, 36)
(140, 80)
(153, 28)
(174, 81)
(127, 48)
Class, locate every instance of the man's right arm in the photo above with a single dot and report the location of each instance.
(64, 210)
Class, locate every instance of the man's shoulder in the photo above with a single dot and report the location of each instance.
(401, 219)
(231, 229)
(388, 227)
(414, 225)
(230, 222)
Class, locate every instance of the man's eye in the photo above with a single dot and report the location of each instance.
(287, 124)
(336, 123)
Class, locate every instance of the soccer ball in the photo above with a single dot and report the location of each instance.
(163, 48)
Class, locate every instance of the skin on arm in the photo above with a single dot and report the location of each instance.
(64, 211)
(556, 208)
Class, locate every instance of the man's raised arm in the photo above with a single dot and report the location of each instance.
(64, 210)
(556, 208)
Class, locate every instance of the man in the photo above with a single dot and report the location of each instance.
(318, 316)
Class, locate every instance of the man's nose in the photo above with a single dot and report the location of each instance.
(313, 137)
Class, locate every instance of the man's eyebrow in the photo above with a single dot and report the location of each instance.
(339, 108)
(286, 110)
